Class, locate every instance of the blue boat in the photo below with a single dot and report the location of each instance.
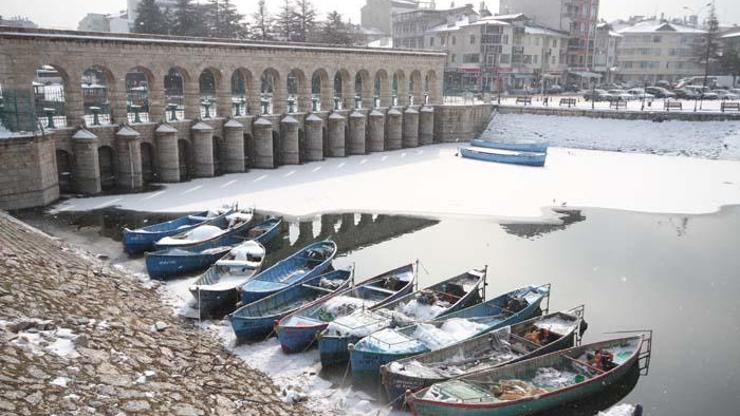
(391, 344)
(205, 233)
(299, 330)
(520, 146)
(142, 239)
(306, 263)
(504, 156)
(172, 262)
(438, 300)
(257, 320)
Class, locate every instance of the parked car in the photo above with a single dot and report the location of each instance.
(640, 93)
(554, 89)
(727, 95)
(686, 94)
(704, 93)
(735, 91)
(621, 95)
(597, 95)
(660, 92)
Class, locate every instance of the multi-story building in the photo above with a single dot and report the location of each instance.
(18, 21)
(378, 14)
(655, 50)
(606, 45)
(410, 28)
(97, 22)
(731, 40)
(576, 17)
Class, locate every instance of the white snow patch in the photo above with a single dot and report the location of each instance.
(60, 381)
(197, 234)
(619, 410)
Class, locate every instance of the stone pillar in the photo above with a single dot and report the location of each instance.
(86, 174)
(426, 125)
(157, 104)
(337, 139)
(192, 100)
(411, 128)
(128, 150)
(264, 155)
(223, 99)
(376, 132)
(202, 138)
(118, 99)
(168, 158)
(394, 130)
(233, 147)
(314, 138)
(290, 148)
(74, 107)
(357, 135)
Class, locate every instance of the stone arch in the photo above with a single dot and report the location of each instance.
(138, 88)
(148, 170)
(398, 87)
(363, 88)
(96, 84)
(431, 86)
(241, 87)
(64, 170)
(184, 156)
(295, 84)
(415, 87)
(380, 88)
(174, 92)
(270, 90)
(342, 89)
(49, 92)
(321, 89)
(209, 82)
(107, 164)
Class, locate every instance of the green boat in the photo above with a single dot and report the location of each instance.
(535, 385)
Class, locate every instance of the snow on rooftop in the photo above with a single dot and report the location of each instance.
(536, 30)
(656, 26)
(731, 35)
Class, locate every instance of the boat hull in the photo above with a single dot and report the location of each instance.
(295, 339)
(144, 239)
(253, 329)
(514, 147)
(334, 350)
(163, 266)
(215, 304)
(523, 159)
(366, 365)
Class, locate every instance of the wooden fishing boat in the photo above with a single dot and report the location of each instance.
(142, 239)
(534, 385)
(390, 344)
(438, 300)
(235, 222)
(506, 345)
(306, 263)
(256, 320)
(300, 329)
(519, 146)
(215, 290)
(172, 262)
(504, 156)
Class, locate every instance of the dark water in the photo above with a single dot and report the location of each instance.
(678, 275)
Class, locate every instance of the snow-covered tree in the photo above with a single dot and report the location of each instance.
(150, 19)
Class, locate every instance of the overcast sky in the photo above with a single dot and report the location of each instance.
(67, 13)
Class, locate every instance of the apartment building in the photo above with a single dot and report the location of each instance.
(410, 28)
(654, 50)
(578, 18)
(378, 14)
(606, 60)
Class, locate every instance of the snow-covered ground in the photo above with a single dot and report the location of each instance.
(711, 139)
(433, 181)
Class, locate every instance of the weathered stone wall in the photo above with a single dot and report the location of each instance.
(28, 172)
(460, 123)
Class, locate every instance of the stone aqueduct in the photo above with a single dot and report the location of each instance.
(266, 104)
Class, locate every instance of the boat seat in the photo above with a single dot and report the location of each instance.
(321, 289)
(380, 290)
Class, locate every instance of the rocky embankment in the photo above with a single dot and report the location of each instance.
(79, 337)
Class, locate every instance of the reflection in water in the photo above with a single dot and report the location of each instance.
(535, 231)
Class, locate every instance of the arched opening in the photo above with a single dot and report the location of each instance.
(415, 88)
(248, 150)
(183, 153)
(342, 85)
(277, 153)
(320, 91)
(207, 89)
(174, 94)
(218, 149)
(380, 88)
(295, 84)
(430, 86)
(268, 90)
(64, 170)
(107, 163)
(95, 100)
(147, 162)
(362, 89)
(137, 95)
(398, 88)
(49, 100)
(239, 85)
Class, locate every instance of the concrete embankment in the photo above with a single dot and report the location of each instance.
(617, 114)
(79, 337)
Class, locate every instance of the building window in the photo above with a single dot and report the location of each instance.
(471, 58)
(431, 41)
(452, 57)
(472, 39)
(454, 40)
(505, 58)
(506, 40)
